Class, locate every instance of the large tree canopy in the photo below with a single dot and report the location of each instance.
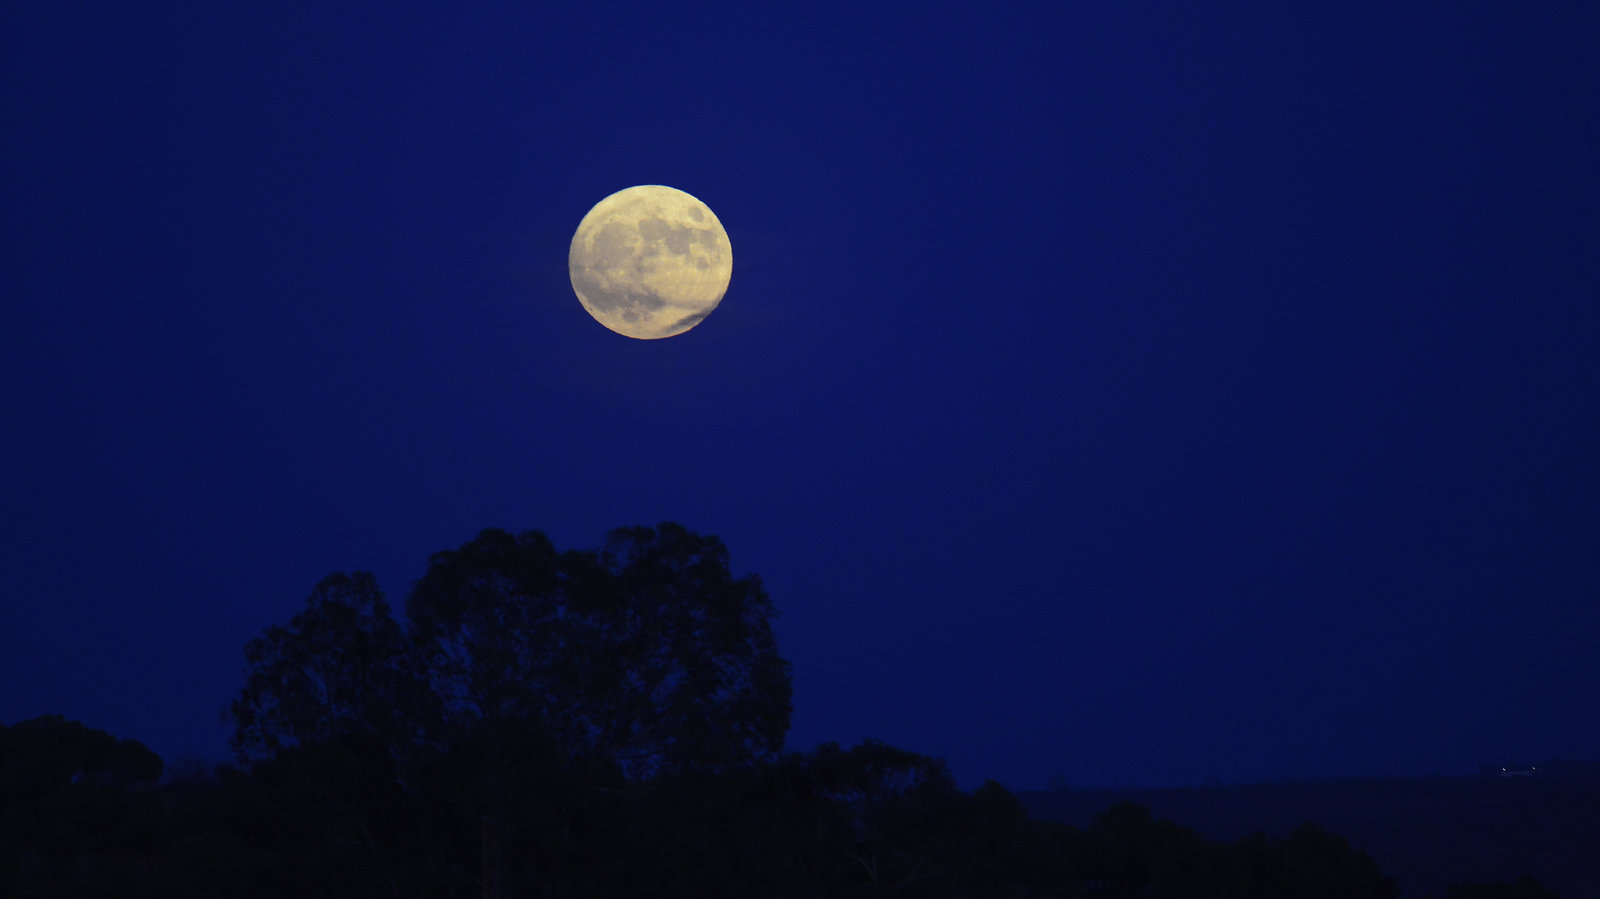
(340, 669)
(642, 656)
(525, 688)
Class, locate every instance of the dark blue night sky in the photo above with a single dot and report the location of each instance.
(1135, 393)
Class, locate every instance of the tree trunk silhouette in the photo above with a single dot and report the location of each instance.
(494, 862)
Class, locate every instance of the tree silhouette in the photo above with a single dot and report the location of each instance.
(1129, 852)
(340, 669)
(644, 656)
(1313, 863)
(43, 755)
(526, 683)
(70, 794)
(872, 820)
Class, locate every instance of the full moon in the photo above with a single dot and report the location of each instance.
(650, 261)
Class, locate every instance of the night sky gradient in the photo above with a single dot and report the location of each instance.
(1137, 393)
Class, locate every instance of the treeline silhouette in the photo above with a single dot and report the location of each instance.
(1425, 831)
(594, 723)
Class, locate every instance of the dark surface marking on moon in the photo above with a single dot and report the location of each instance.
(611, 244)
(676, 237)
(690, 320)
(611, 301)
(678, 240)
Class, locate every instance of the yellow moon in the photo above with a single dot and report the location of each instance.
(650, 261)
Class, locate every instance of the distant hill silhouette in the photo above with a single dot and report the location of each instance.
(1426, 832)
